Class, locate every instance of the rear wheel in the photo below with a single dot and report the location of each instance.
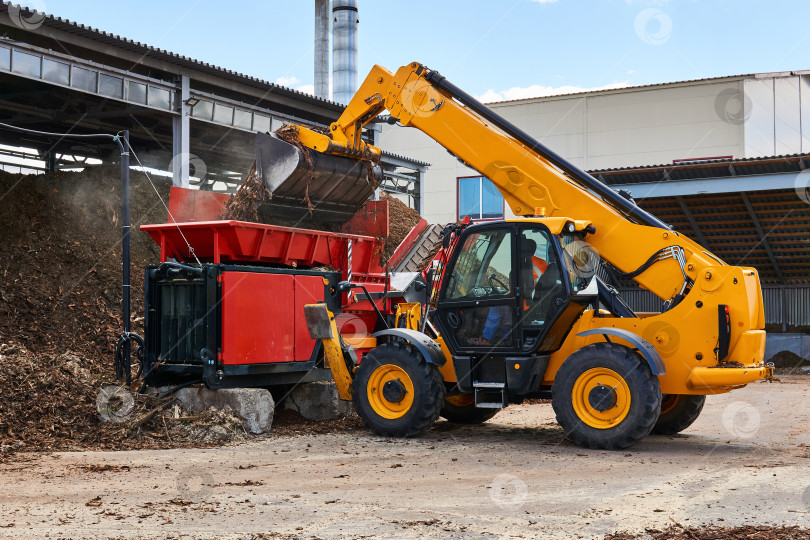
(461, 409)
(678, 412)
(396, 392)
(606, 397)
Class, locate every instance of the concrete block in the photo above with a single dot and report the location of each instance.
(318, 401)
(798, 344)
(255, 406)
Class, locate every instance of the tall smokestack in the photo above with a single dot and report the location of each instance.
(344, 49)
(322, 48)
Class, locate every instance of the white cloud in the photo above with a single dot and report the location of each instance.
(545, 1)
(538, 90)
(287, 81)
(307, 89)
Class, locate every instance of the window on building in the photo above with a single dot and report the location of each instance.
(479, 199)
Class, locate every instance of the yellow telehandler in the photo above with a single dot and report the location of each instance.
(514, 308)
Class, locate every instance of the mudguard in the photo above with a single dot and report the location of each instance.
(429, 349)
(647, 351)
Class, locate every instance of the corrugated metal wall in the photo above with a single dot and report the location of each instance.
(783, 305)
(787, 305)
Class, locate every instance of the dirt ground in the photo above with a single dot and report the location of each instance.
(745, 461)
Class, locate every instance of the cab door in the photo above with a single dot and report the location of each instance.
(555, 279)
(478, 300)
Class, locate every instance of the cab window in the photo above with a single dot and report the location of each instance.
(540, 277)
(483, 267)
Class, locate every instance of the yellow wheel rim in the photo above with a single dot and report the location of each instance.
(668, 402)
(376, 390)
(461, 400)
(610, 391)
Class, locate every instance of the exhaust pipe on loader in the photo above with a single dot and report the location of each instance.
(310, 186)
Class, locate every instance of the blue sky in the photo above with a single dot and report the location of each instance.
(496, 49)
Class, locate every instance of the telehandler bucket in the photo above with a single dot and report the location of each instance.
(311, 186)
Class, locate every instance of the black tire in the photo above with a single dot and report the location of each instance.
(462, 410)
(427, 396)
(639, 401)
(678, 412)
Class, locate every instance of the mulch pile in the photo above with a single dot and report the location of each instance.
(401, 219)
(54, 402)
(60, 316)
(745, 532)
(60, 259)
(787, 362)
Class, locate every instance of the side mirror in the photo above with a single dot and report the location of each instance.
(344, 286)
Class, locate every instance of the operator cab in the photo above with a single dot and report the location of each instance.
(513, 289)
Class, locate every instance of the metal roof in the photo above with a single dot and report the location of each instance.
(400, 157)
(704, 168)
(655, 85)
(114, 40)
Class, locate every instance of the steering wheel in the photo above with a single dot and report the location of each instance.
(497, 285)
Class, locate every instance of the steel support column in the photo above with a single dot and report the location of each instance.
(181, 136)
(693, 223)
(762, 236)
(419, 191)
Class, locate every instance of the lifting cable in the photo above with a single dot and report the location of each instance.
(171, 217)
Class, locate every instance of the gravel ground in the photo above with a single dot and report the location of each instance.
(744, 462)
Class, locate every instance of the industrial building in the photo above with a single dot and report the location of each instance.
(185, 116)
(722, 160)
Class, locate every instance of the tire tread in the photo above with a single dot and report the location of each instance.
(683, 416)
(639, 376)
(424, 375)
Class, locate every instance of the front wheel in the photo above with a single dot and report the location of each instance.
(606, 397)
(678, 412)
(396, 392)
(461, 409)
